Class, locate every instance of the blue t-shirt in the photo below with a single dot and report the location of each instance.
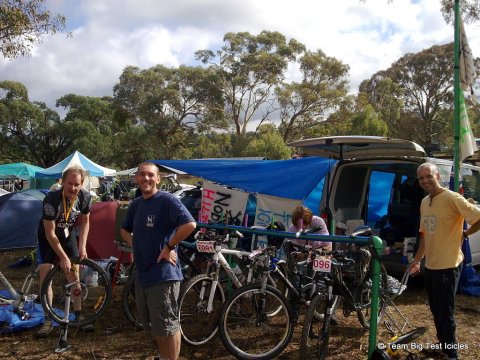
(153, 222)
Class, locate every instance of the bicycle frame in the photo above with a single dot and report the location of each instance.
(18, 299)
(219, 261)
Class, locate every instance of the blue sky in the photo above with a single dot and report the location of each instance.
(109, 35)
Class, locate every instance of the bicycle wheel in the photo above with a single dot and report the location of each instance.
(247, 332)
(90, 298)
(315, 331)
(365, 302)
(128, 302)
(197, 324)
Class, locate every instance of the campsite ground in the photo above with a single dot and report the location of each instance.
(114, 338)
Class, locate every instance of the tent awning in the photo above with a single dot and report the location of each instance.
(75, 159)
(292, 179)
(19, 170)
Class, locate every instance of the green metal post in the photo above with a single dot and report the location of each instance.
(376, 268)
(456, 101)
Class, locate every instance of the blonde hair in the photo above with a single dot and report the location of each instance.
(74, 170)
(304, 213)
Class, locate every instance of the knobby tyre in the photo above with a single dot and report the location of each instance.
(365, 302)
(197, 325)
(128, 302)
(316, 328)
(90, 298)
(247, 332)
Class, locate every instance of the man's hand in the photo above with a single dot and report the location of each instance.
(82, 252)
(414, 267)
(168, 255)
(65, 264)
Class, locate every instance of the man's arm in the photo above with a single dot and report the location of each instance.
(414, 266)
(84, 228)
(472, 229)
(126, 236)
(180, 234)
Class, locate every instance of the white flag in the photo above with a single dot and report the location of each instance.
(467, 66)
(467, 141)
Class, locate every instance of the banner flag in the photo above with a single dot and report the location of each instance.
(468, 145)
(272, 208)
(467, 66)
(219, 202)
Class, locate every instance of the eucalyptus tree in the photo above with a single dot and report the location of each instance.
(169, 102)
(29, 131)
(91, 123)
(251, 66)
(423, 84)
(307, 103)
(268, 143)
(23, 23)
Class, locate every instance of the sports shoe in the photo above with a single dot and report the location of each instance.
(85, 328)
(46, 329)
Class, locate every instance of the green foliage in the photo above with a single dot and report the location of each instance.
(269, 143)
(305, 104)
(251, 66)
(28, 131)
(367, 122)
(23, 23)
(413, 95)
(169, 103)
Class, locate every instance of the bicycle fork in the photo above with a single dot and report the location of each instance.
(261, 317)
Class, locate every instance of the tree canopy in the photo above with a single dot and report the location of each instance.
(23, 23)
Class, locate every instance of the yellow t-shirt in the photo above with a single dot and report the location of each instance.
(442, 224)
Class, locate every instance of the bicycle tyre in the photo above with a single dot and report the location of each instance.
(315, 331)
(128, 302)
(94, 298)
(365, 302)
(245, 333)
(197, 326)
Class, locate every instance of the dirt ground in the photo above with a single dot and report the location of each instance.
(115, 338)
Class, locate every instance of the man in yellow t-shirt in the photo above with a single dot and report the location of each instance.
(442, 213)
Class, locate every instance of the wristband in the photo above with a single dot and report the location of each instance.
(169, 247)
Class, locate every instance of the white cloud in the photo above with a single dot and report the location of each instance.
(109, 35)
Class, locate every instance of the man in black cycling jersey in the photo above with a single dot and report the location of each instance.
(61, 209)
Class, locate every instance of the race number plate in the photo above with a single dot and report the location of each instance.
(322, 264)
(206, 246)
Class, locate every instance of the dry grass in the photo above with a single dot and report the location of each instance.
(114, 338)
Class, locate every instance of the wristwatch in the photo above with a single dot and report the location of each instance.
(169, 247)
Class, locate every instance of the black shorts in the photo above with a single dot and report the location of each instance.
(48, 256)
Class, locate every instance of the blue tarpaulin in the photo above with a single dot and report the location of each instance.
(292, 179)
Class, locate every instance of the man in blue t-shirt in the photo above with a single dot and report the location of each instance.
(155, 223)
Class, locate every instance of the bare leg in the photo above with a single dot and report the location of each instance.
(43, 270)
(169, 346)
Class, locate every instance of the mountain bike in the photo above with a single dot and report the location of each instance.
(345, 275)
(94, 297)
(257, 319)
(192, 263)
(202, 297)
(22, 301)
(92, 292)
